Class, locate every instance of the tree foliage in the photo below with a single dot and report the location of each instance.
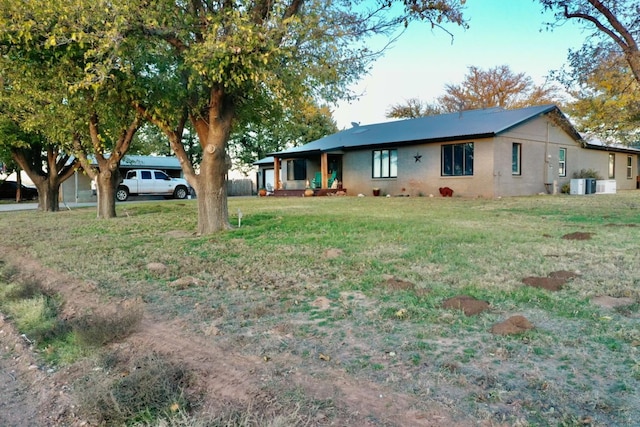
(604, 74)
(606, 101)
(273, 133)
(496, 87)
(52, 87)
(413, 108)
(236, 62)
(614, 25)
(212, 66)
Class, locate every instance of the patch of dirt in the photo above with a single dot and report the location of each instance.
(179, 234)
(186, 282)
(323, 303)
(398, 284)
(554, 282)
(511, 326)
(33, 395)
(18, 378)
(578, 235)
(157, 267)
(605, 301)
(469, 305)
(333, 253)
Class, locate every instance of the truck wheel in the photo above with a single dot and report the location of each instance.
(122, 194)
(180, 192)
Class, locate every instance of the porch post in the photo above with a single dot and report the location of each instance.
(324, 169)
(276, 173)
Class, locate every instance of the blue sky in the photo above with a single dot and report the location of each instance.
(424, 60)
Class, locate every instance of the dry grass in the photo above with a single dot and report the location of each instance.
(258, 289)
(150, 388)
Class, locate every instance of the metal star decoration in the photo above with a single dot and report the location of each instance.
(418, 157)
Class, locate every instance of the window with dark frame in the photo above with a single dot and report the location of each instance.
(562, 162)
(612, 166)
(160, 175)
(629, 167)
(457, 159)
(384, 164)
(296, 170)
(516, 159)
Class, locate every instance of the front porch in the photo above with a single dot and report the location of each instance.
(322, 173)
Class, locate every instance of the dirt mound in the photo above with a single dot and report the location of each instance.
(469, 305)
(554, 282)
(511, 326)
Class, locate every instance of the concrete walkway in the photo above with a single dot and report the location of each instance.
(11, 207)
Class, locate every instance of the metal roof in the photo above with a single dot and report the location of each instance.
(445, 127)
(593, 142)
(264, 161)
(153, 162)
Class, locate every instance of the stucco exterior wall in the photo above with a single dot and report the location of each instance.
(422, 176)
(598, 160)
(541, 141)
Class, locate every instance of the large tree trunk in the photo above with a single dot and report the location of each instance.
(213, 213)
(107, 174)
(48, 195)
(106, 183)
(18, 186)
(47, 182)
(211, 183)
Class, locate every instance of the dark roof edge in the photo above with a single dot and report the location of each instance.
(388, 144)
(549, 108)
(628, 150)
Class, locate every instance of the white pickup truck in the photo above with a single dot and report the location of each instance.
(149, 181)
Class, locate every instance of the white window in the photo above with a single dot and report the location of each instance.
(516, 160)
(385, 164)
(612, 166)
(562, 162)
(457, 159)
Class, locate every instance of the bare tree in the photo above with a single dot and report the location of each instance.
(496, 87)
(412, 108)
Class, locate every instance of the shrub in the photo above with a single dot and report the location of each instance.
(587, 173)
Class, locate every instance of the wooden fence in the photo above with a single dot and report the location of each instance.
(240, 187)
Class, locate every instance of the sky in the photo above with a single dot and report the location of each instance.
(424, 60)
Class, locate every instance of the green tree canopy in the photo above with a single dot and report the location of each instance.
(51, 68)
(606, 99)
(235, 63)
(214, 66)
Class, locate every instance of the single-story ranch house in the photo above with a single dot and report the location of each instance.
(477, 153)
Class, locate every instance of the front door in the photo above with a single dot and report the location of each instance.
(334, 169)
